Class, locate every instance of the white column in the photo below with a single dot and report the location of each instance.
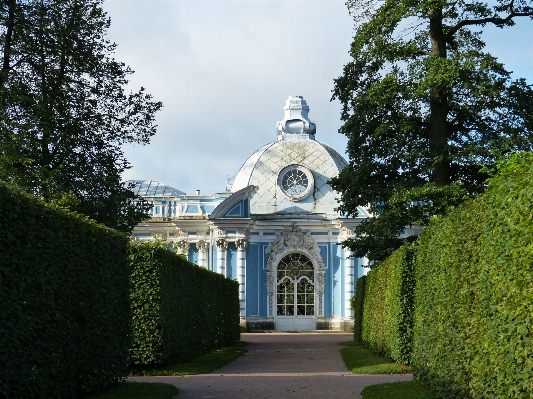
(241, 274)
(222, 247)
(203, 247)
(364, 267)
(349, 289)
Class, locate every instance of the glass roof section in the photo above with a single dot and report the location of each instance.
(152, 188)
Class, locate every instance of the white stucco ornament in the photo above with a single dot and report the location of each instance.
(293, 238)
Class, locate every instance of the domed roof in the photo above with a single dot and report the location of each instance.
(152, 188)
(292, 173)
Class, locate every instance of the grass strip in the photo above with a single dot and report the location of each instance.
(201, 364)
(398, 390)
(349, 343)
(138, 390)
(360, 360)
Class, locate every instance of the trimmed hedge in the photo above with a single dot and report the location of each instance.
(474, 298)
(357, 303)
(387, 322)
(178, 309)
(64, 288)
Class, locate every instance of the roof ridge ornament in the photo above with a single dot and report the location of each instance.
(296, 124)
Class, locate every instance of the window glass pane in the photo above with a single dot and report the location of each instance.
(295, 275)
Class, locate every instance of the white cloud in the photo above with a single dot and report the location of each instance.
(223, 70)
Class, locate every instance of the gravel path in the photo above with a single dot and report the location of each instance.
(279, 366)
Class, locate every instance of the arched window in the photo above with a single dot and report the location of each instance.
(295, 294)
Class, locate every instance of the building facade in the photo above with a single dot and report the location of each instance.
(275, 230)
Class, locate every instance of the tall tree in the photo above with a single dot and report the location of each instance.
(424, 108)
(65, 113)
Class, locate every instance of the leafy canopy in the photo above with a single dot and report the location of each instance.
(425, 108)
(64, 111)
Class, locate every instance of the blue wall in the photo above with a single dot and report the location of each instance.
(256, 292)
(193, 254)
(325, 251)
(231, 261)
(253, 272)
(331, 254)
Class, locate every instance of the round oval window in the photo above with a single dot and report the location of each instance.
(295, 181)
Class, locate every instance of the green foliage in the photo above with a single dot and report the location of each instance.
(378, 235)
(64, 295)
(424, 107)
(388, 306)
(397, 390)
(201, 364)
(475, 292)
(360, 360)
(138, 390)
(178, 309)
(357, 303)
(64, 112)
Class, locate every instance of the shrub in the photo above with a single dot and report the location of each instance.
(178, 308)
(474, 297)
(357, 303)
(387, 323)
(64, 290)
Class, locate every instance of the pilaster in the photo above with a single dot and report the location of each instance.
(242, 245)
(203, 247)
(222, 247)
(349, 275)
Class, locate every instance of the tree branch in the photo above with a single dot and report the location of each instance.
(492, 20)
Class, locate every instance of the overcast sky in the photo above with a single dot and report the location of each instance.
(223, 70)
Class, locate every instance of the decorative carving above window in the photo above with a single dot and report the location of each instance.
(293, 238)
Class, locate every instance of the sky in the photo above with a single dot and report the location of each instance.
(224, 69)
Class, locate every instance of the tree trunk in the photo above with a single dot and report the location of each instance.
(438, 103)
(10, 22)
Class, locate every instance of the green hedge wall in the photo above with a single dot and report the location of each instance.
(357, 303)
(387, 323)
(178, 309)
(64, 301)
(474, 297)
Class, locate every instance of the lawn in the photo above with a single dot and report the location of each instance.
(138, 390)
(360, 360)
(398, 390)
(201, 364)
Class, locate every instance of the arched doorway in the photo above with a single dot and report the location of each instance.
(295, 293)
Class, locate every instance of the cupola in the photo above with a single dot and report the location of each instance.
(296, 124)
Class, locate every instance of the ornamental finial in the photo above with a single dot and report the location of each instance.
(296, 124)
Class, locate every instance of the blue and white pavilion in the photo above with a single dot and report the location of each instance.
(275, 230)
